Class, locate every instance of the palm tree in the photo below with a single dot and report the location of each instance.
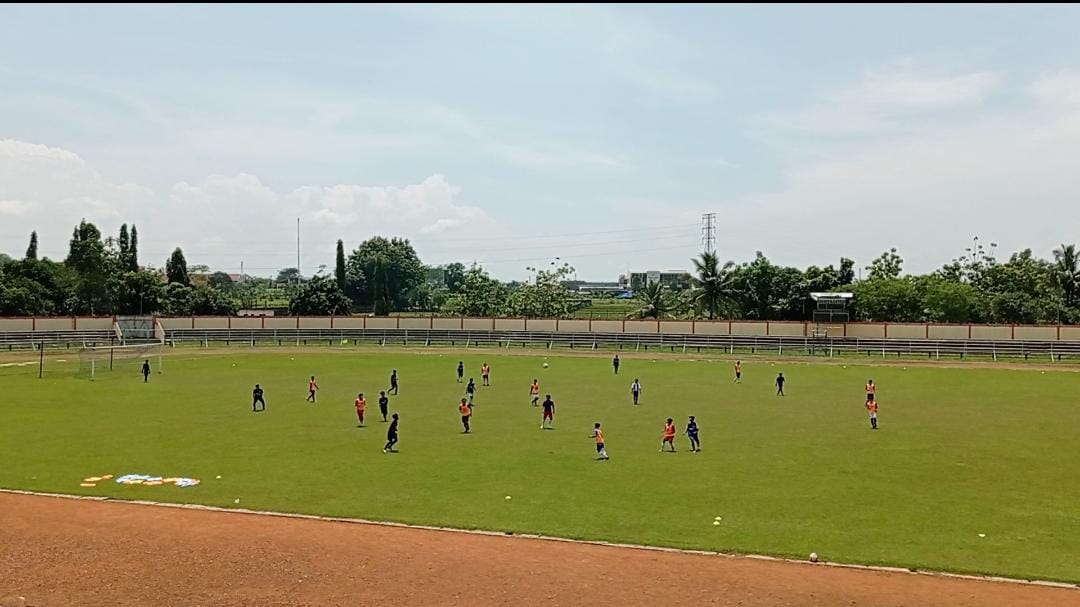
(654, 301)
(712, 285)
(1067, 273)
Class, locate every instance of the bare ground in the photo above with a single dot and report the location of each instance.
(60, 551)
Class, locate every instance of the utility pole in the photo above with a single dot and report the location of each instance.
(708, 232)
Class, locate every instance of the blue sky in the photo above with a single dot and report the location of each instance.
(511, 135)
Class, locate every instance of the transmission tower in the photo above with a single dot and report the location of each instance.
(708, 232)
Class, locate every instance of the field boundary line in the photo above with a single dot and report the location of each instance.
(549, 538)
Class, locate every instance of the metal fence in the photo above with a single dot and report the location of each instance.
(646, 342)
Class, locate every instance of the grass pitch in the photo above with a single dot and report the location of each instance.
(973, 469)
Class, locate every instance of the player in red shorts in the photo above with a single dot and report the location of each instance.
(548, 420)
(669, 435)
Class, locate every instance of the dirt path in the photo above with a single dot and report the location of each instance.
(57, 551)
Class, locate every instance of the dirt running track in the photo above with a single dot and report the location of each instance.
(60, 552)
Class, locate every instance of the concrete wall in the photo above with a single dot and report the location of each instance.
(712, 327)
(314, 322)
(542, 324)
(677, 327)
(246, 323)
(748, 328)
(574, 326)
(642, 326)
(19, 324)
(415, 323)
(998, 332)
(787, 329)
(1039, 333)
(670, 327)
(477, 324)
(869, 330)
(905, 330)
(948, 331)
(607, 326)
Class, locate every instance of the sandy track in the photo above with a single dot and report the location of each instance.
(57, 551)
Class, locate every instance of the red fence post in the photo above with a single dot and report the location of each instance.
(192, 322)
(886, 330)
(766, 328)
(263, 319)
(1059, 332)
(74, 324)
(297, 322)
(927, 330)
(969, 330)
(590, 322)
(693, 326)
(33, 323)
(462, 322)
(431, 321)
(228, 322)
(399, 321)
(492, 323)
(556, 324)
(624, 325)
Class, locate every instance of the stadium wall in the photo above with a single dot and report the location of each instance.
(747, 328)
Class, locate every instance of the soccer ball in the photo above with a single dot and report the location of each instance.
(813, 557)
(545, 365)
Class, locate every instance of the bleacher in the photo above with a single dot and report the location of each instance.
(641, 342)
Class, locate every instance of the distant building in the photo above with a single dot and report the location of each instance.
(676, 280)
(584, 286)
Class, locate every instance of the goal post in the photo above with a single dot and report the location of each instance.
(94, 361)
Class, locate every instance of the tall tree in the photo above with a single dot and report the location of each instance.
(31, 251)
(319, 296)
(888, 265)
(86, 256)
(712, 285)
(339, 266)
(133, 251)
(1067, 273)
(124, 244)
(176, 270)
(390, 270)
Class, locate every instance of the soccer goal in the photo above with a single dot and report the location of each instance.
(94, 361)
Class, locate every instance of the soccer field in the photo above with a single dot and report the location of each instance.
(973, 469)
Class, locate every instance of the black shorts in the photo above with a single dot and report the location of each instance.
(869, 396)
(599, 447)
(391, 438)
(693, 436)
(465, 419)
(738, 374)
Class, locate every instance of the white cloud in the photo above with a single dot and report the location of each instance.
(1006, 176)
(907, 88)
(221, 219)
(1057, 88)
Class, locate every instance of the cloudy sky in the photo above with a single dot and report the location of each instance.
(512, 135)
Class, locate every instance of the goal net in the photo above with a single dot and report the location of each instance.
(124, 359)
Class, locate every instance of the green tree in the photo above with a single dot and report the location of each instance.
(887, 299)
(454, 276)
(138, 292)
(31, 251)
(206, 300)
(654, 300)
(339, 267)
(320, 296)
(1067, 274)
(133, 251)
(124, 244)
(176, 270)
(888, 265)
(288, 276)
(221, 281)
(478, 295)
(386, 272)
(86, 256)
(544, 297)
(712, 287)
(949, 301)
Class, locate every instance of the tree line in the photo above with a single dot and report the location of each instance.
(103, 275)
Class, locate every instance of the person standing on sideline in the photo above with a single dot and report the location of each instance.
(391, 436)
(548, 421)
(635, 389)
(738, 372)
(146, 371)
(257, 399)
(393, 385)
(384, 405)
(598, 435)
(466, 413)
(615, 364)
(361, 408)
(692, 434)
(871, 408)
(485, 374)
(780, 384)
(460, 371)
(312, 387)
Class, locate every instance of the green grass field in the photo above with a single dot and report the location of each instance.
(961, 451)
